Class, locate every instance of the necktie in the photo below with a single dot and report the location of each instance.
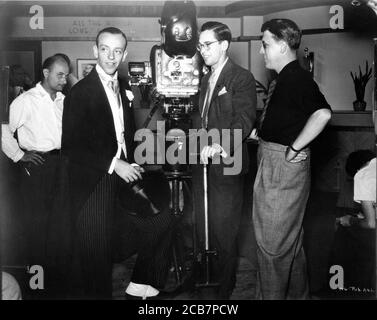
(114, 86)
(207, 102)
(271, 89)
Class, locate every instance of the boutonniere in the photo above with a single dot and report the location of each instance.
(130, 95)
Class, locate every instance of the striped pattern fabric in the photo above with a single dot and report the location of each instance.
(93, 240)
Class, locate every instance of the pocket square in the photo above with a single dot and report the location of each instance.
(222, 91)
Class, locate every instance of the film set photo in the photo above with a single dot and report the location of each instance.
(188, 151)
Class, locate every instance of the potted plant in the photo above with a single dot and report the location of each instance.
(360, 81)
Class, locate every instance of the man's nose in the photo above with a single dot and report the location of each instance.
(111, 55)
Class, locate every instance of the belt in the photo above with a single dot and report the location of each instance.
(54, 152)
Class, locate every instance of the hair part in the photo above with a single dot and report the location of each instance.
(111, 30)
(284, 29)
(66, 58)
(50, 61)
(221, 30)
(357, 159)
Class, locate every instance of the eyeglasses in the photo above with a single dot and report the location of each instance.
(205, 45)
(62, 76)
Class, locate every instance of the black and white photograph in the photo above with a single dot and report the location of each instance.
(198, 153)
(84, 66)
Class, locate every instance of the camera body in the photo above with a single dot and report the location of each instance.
(140, 73)
(176, 76)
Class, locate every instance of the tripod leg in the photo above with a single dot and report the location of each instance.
(177, 265)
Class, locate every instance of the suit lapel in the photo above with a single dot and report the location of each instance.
(123, 85)
(203, 90)
(102, 102)
(221, 80)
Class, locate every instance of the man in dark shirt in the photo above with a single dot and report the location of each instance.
(295, 114)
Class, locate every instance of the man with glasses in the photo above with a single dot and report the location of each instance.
(36, 117)
(227, 103)
(98, 128)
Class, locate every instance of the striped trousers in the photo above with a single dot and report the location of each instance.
(93, 242)
(151, 239)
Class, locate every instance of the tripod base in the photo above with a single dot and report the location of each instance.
(206, 284)
(205, 267)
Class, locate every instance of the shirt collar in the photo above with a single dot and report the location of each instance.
(104, 76)
(218, 70)
(289, 66)
(42, 91)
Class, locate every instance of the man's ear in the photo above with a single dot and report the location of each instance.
(283, 47)
(95, 51)
(124, 55)
(46, 72)
(225, 45)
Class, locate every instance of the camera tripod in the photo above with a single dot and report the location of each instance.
(178, 179)
(201, 258)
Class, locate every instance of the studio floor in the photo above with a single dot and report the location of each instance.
(244, 290)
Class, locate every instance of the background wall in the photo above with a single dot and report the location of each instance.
(335, 54)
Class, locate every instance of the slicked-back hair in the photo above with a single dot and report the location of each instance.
(50, 61)
(221, 30)
(112, 30)
(66, 58)
(284, 29)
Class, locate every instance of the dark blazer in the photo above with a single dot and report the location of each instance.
(235, 109)
(89, 138)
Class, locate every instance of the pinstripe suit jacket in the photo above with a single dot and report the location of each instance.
(89, 138)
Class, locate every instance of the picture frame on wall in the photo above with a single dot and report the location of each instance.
(4, 94)
(84, 66)
(20, 68)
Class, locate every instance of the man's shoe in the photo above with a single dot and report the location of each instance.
(163, 295)
(131, 297)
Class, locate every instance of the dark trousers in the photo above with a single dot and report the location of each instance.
(151, 239)
(225, 199)
(92, 242)
(45, 222)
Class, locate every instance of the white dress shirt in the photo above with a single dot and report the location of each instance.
(38, 121)
(365, 183)
(117, 112)
(212, 83)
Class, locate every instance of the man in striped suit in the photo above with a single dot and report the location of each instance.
(97, 139)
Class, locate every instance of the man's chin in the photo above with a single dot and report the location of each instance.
(268, 66)
(110, 71)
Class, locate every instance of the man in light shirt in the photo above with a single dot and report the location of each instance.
(361, 165)
(36, 116)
